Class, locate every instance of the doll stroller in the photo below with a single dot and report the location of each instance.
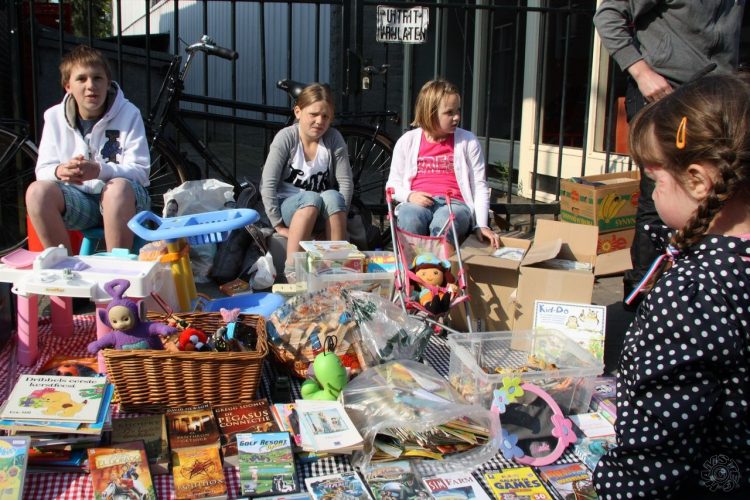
(414, 252)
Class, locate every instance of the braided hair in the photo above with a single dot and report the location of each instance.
(706, 122)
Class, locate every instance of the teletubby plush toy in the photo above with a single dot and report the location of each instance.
(437, 287)
(330, 377)
(128, 331)
(192, 339)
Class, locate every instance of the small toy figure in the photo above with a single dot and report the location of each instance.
(192, 339)
(329, 376)
(128, 330)
(439, 287)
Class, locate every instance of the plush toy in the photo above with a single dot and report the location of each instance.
(329, 378)
(437, 285)
(128, 330)
(192, 339)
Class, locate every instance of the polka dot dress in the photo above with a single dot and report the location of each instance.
(683, 415)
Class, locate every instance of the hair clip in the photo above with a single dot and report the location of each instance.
(681, 132)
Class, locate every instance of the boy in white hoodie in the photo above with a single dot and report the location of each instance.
(94, 162)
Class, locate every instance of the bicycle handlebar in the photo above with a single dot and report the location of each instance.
(208, 46)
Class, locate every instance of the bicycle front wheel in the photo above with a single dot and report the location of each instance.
(17, 164)
(370, 156)
(169, 169)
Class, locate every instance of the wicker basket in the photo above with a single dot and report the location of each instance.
(151, 381)
(296, 362)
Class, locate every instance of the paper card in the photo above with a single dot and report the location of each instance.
(583, 323)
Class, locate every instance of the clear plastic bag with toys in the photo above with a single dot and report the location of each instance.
(387, 331)
(299, 330)
(405, 409)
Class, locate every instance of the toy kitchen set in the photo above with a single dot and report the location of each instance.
(54, 273)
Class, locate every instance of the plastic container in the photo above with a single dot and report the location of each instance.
(477, 358)
(380, 283)
(260, 303)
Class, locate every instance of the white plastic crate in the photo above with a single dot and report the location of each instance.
(380, 283)
(479, 361)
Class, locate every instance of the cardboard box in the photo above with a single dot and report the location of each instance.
(608, 201)
(614, 241)
(491, 283)
(559, 242)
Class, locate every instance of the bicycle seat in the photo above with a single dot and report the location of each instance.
(291, 87)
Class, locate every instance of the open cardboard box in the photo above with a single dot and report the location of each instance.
(574, 244)
(491, 282)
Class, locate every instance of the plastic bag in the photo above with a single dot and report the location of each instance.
(194, 197)
(412, 396)
(388, 333)
(262, 273)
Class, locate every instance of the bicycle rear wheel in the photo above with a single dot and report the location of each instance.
(169, 169)
(370, 156)
(17, 164)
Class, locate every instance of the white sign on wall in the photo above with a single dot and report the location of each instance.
(401, 25)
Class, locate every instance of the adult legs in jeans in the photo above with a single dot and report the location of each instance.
(643, 251)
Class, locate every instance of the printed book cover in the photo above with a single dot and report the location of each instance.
(14, 453)
(70, 367)
(121, 471)
(326, 427)
(285, 415)
(339, 485)
(590, 450)
(152, 429)
(569, 481)
(521, 482)
(49, 397)
(394, 480)
(593, 424)
(583, 323)
(197, 472)
(191, 426)
(455, 485)
(266, 463)
(253, 416)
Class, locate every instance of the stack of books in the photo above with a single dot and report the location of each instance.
(194, 439)
(236, 418)
(604, 398)
(62, 415)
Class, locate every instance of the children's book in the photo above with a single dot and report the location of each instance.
(325, 427)
(191, 426)
(394, 480)
(590, 450)
(583, 323)
(52, 460)
(152, 429)
(455, 485)
(70, 367)
(340, 485)
(121, 471)
(253, 416)
(593, 425)
(197, 472)
(520, 482)
(569, 481)
(604, 398)
(266, 463)
(54, 398)
(14, 453)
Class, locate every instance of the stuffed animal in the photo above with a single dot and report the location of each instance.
(192, 339)
(128, 330)
(329, 378)
(437, 285)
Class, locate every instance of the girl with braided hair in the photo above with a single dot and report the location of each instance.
(683, 386)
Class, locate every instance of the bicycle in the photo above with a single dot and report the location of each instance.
(370, 148)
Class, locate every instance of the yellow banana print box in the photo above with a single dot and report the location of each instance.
(607, 200)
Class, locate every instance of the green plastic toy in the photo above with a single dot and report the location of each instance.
(329, 375)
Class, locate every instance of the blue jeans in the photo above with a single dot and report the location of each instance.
(428, 221)
(328, 203)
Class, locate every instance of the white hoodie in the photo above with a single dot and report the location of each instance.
(117, 142)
